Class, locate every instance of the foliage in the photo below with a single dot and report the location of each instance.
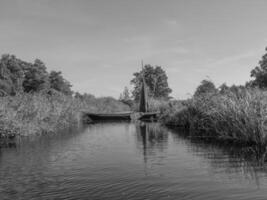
(36, 113)
(156, 81)
(125, 97)
(36, 77)
(84, 96)
(238, 116)
(57, 82)
(205, 87)
(17, 76)
(223, 88)
(102, 104)
(259, 73)
(11, 74)
(34, 101)
(154, 105)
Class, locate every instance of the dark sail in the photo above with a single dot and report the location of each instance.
(143, 98)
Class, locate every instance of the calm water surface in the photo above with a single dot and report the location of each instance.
(126, 161)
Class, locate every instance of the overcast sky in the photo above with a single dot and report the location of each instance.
(99, 44)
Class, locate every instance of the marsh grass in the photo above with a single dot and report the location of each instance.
(154, 105)
(233, 116)
(27, 114)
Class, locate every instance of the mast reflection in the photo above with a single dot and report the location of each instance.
(153, 139)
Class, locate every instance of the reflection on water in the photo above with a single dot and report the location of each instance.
(152, 138)
(245, 162)
(129, 161)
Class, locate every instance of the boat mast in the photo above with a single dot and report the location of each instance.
(143, 106)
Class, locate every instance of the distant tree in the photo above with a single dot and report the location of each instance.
(6, 84)
(78, 95)
(259, 73)
(5, 88)
(18, 76)
(36, 77)
(205, 87)
(156, 81)
(238, 90)
(57, 82)
(84, 96)
(249, 84)
(11, 74)
(125, 97)
(223, 88)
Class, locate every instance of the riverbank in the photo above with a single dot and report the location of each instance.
(28, 114)
(234, 116)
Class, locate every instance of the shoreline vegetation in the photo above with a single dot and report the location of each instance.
(27, 114)
(237, 117)
(35, 101)
(236, 114)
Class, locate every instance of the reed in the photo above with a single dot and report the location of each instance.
(27, 114)
(235, 116)
(154, 105)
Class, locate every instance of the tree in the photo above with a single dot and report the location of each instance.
(36, 77)
(205, 87)
(11, 74)
(249, 84)
(84, 96)
(223, 88)
(18, 76)
(125, 97)
(156, 81)
(259, 73)
(57, 82)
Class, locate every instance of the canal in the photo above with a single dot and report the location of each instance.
(126, 161)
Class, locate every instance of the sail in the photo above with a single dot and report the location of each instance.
(143, 106)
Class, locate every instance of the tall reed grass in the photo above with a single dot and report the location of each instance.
(235, 116)
(26, 114)
(154, 105)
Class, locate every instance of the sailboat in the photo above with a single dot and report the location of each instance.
(143, 104)
(144, 115)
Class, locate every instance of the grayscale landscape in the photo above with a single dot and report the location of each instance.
(133, 100)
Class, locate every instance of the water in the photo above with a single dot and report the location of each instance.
(126, 161)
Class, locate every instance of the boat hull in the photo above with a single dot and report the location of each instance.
(152, 116)
(109, 117)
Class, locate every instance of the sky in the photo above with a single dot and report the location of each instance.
(99, 44)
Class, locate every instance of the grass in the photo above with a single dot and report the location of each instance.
(239, 116)
(154, 105)
(27, 114)
(232, 116)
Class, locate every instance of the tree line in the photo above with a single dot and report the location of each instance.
(156, 81)
(158, 88)
(258, 75)
(18, 76)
